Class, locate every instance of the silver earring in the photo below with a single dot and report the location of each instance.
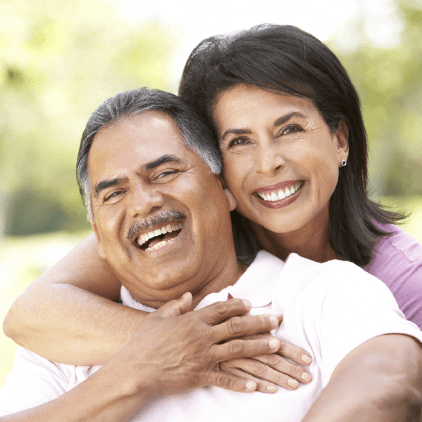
(343, 163)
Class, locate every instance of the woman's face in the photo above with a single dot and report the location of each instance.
(280, 159)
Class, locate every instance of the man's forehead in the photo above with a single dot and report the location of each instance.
(140, 140)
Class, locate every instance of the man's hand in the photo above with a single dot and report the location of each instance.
(175, 350)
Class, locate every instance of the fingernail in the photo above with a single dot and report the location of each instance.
(251, 386)
(306, 377)
(272, 389)
(274, 321)
(307, 359)
(292, 383)
(274, 344)
(247, 303)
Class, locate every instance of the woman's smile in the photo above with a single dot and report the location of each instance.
(280, 159)
(280, 195)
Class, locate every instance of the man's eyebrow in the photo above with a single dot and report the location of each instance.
(169, 158)
(278, 122)
(105, 184)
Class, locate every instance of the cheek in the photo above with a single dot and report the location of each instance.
(235, 171)
(109, 222)
(326, 180)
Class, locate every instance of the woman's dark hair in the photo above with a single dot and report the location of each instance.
(287, 60)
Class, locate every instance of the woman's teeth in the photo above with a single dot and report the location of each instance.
(281, 194)
(145, 237)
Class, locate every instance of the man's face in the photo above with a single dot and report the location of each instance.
(161, 217)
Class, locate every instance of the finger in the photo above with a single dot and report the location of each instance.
(244, 326)
(175, 307)
(259, 369)
(296, 354)
(220, 311)
(275, 369)
(231, 382)
(262, 385)
(235, 349)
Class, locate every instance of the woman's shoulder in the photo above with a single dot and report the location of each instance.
(400, 244)
(397, 261)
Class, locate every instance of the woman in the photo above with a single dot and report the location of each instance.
(294, 150)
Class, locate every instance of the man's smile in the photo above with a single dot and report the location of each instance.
(157, 238)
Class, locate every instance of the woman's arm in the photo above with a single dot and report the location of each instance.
(379, 381)
(68, 314)
(172, 361)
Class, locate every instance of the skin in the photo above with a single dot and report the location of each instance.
(150, 178)
(138, 169)
(150, 363)
(270, 141)
(262, 154)
(102, 344)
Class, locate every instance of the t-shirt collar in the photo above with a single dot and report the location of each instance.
(256, 285)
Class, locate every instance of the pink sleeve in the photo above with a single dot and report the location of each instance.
(398, 263)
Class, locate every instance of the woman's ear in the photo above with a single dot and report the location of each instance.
(100, 245)
(342, 141)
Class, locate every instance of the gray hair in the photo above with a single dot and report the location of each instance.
(195, 132)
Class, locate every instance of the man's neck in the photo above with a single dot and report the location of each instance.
(227, 277)
(221, 275)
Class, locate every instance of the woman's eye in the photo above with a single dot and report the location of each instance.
(291, 129)
(237, 141)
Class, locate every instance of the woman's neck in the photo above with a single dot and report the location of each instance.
(310, 241)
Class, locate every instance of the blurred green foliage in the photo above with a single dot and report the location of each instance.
(58, 62)
(389, 82)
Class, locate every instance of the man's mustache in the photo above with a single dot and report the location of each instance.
(154, 220)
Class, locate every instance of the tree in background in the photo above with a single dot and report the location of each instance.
(389, 82)
(58, 61)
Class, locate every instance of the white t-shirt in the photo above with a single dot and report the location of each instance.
(329, 309)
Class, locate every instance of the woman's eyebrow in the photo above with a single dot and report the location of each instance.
(287, 117)
(278, 122)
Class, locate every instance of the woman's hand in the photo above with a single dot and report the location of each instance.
(268, 371)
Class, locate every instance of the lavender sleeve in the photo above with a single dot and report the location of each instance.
(398, 263)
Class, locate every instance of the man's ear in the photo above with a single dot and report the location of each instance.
(342, 141)
(100, 245)
(231, 201)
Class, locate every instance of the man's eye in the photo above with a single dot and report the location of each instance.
(112, 195)
(238, 141)
(166, 174)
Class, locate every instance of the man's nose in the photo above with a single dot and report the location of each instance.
(269, 158)
(143, 201)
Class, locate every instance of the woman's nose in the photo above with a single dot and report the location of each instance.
(269, 159)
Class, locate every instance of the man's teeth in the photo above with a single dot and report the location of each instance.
(281, 194)
(143, 238)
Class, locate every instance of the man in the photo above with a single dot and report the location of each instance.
(162, 221)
